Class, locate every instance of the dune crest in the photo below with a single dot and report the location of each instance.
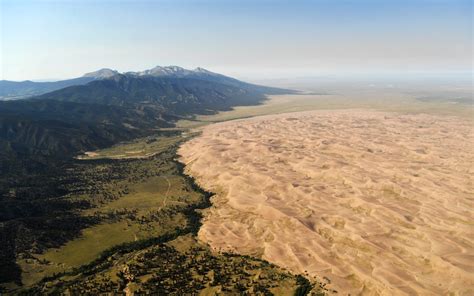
(379, 203)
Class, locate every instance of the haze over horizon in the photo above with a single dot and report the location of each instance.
(245, 39)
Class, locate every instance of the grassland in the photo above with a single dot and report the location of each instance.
(139, 148)
(178, 267)
(145, 207)
(147, 221)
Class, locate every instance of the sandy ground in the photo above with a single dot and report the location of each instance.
(379, 203)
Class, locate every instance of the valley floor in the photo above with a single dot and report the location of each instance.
(146, 213)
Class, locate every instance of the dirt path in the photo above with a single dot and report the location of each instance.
(167, 192)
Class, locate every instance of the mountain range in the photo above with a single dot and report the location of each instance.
(105, 107)
(12, 90)
(43, 125)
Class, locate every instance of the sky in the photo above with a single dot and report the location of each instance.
(245, 39)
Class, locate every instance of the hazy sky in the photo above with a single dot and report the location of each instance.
(63, 39)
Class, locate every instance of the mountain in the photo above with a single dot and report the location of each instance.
(203, 74)
(113, 107)
(11, 90)
(179, 96)
(101, 74)
(169, 71)
(45, 191)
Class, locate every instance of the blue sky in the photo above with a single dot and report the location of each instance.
(62, 39)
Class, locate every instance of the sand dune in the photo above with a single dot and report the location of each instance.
(379, 203)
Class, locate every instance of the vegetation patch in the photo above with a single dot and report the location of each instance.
(144, 217)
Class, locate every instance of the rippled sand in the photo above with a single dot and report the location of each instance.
(379, 203)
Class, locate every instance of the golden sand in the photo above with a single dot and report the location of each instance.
(379, 203)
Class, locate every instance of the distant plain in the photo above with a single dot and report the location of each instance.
(443, 98)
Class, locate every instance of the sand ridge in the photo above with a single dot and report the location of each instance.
(379, 203)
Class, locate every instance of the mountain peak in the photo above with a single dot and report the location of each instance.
(174, 71)
(175, 68)
(202, 70)
(165, 71)
(102, 73)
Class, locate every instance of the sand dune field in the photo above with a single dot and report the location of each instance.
(376, 203)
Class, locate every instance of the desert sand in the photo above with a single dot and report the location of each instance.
(377, 203)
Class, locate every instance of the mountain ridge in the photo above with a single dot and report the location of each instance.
(101, 112)
(101, 73)
(41, 135)
(13, 90)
